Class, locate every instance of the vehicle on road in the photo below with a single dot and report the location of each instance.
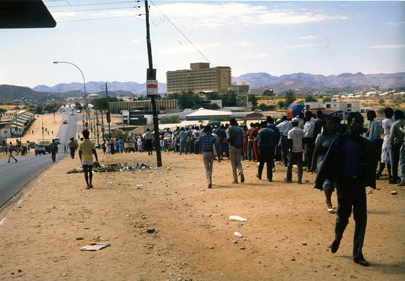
(71, 113)
(57, 140)
(32, 145)
(46, 144)
(40, 149)
(64, 121)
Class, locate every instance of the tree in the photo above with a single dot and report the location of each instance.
(38, 109)
(229, 99)
(280, 104)
(214, 106)
(289, 98)
(327, 99)
(321, 96)
(253, 99)
(381, 101)
(78, 106)
(170, 119)
(268, 93)
(310, 98)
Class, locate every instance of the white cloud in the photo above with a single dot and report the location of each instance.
(211, 16)
(310, 37)
(294, 47)
(386, 46)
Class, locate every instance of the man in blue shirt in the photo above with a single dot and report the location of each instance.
(351, 162)
(183, 141)
(266, 142)
(234, 134)
(206, 143)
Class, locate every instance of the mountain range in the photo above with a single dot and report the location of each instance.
(301, 83)
(256, 81)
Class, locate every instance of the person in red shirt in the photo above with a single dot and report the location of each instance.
(253, 136)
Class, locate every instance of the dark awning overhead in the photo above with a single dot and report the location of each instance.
(25, 14)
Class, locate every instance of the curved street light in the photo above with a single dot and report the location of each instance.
(85, 95)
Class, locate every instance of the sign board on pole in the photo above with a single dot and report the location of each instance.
(152, 88)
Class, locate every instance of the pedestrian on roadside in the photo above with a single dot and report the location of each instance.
(351, 163)
(72, 145)
(396, 138)
(295, 136)
(234, 135)
(10, 151)
(207, 142)
(183, 141)
(148, 141)
(285, 126)
(266, 142)
(386, 158)
(86, 151)
(54, 147)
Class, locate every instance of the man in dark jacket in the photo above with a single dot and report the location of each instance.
(351, 163)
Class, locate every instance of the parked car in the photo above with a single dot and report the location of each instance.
(32, 145)
(64, 121)
(40, 149)
(71, 113)
(57, 140)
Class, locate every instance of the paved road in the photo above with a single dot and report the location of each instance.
(14, 176)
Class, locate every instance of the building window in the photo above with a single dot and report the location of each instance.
(328, 106)
(335, 105)
(349, 105)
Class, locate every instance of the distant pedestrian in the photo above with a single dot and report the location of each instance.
(206, 142)
(86, 151)
(10, 151)
(72, 145)
(396, 138)
(295, 136)
(149, 141)
(234, 135)
(266, 142)
(54, 148)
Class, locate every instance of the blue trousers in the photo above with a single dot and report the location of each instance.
(284, 150)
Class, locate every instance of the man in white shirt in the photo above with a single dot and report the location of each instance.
(309, 139)
(295, 136)
(284, 127)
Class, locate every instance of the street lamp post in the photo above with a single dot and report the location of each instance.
(85, 95)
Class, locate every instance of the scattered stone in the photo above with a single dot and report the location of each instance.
(304, 244)
(293, 259)
(353, 277)
(242, 248)
(96, 247)
(79, 238)
(333, 274)
(150, 230)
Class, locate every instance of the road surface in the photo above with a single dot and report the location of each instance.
(15, 176)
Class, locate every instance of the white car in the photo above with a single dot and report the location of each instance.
(40, 149)
(57, 140)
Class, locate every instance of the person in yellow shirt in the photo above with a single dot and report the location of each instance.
(86, 151)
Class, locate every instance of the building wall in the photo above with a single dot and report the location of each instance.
(199, 78)
(167, 105)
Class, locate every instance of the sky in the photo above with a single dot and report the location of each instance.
(106, 39)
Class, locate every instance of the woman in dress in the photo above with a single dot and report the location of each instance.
(322, 143)
(386, 147)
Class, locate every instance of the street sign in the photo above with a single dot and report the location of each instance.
(152, 88)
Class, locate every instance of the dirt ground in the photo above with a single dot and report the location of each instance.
(285, 237)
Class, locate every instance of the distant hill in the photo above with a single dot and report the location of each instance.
(383, 80)
(96, 87)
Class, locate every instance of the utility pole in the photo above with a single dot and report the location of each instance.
(152, 76)
(108, 111)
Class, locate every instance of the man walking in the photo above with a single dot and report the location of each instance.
(351, 163)
(206, 142)
(284, 127)
(396, 138)
(183, 141)
(86, 151)
(266, 142)
(72, 145)
(309, 139)
(234, 135)
(295, 136)
(10, 151)
(54, 148)
(148, 141)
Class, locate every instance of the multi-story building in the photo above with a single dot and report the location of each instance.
(200, 77)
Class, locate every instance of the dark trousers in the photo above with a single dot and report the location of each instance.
(148, 144)
(266, 155)
(352, 193)
(395, 161)
(295, 158)
(72, 153)
(309, 146)
(249, 150)
(284, 150)
(183, 146)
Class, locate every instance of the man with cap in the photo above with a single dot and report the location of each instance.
(295, 136)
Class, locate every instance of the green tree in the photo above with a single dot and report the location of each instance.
(280, 104)
(289, 97)
(220, 118)
(327, 99)
(38, 109)
(78, 106)
(229, 99)
(2, 110)
(170, 120)
(214, 106)
(310, 98)
(381, 101)
(253, 99)
(320, 96)
(268, 93)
